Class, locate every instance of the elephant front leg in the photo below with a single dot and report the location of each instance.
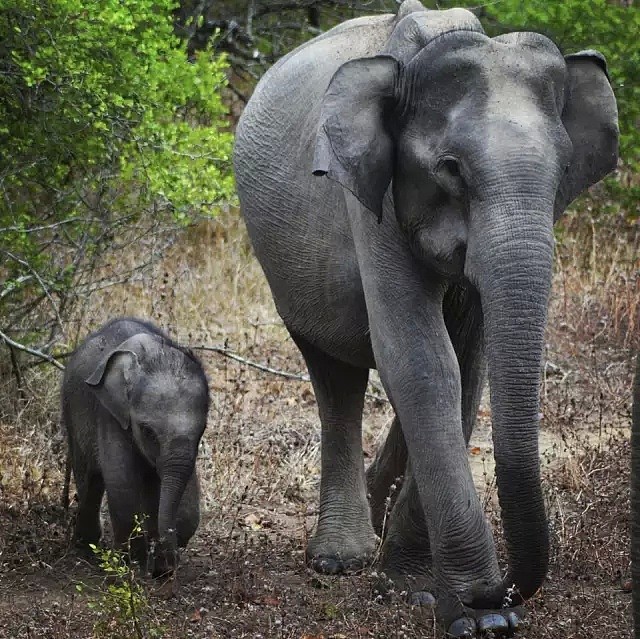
(385, 477)
(419, 369)
(448, 556)
(128, 492)
(465, 577)
(344, 539)
(406, 554)
(126, 509)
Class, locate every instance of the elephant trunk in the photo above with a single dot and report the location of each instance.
(635, 501)
(174, 476)
(513, 270)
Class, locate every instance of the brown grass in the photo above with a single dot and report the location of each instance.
(244, 574)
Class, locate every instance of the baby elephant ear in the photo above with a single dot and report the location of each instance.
(112, 380)
(354, 146)
(590, 117)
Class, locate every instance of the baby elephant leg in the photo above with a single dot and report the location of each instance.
(90, 489)
(127, 507)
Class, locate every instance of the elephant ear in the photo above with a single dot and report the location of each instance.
(112, 381)
(590, 117)
(354, 145)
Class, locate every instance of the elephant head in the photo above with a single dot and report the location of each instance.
(159, 393)
(477, 145)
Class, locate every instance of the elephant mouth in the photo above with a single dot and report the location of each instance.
(447, 260)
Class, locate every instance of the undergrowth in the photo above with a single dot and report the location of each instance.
(244, 575)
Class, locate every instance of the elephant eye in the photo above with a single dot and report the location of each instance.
(448, 174)
(146, 429)
(451, 166)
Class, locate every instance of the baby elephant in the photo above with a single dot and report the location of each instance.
(135, 405)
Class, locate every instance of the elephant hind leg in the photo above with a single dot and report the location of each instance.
(386, 470)
(344, 538)
(406, 553)
(90, 487)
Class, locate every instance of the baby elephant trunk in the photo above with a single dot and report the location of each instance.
(175, 475)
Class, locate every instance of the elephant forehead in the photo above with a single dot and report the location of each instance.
(164, 392)
(485, 70)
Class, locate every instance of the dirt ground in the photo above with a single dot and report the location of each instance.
(244, 575)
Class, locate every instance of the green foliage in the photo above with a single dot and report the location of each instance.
(102, 120)
(122, 608)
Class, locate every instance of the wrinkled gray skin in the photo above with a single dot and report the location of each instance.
(635, 501)
(423, 247)
(135, 406)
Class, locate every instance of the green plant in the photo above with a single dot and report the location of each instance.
(122, 607)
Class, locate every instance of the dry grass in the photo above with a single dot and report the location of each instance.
(244, 575)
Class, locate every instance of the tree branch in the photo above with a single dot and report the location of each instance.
(221, 350)
(32, 351)
(300, 377)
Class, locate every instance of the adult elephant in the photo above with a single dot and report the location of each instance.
(635, 501)
(426, 247)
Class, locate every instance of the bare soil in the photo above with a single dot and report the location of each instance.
(244, 575)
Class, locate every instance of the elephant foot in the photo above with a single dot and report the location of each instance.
(86, 535)
(487, 623)
(406, 565)
(417, 590)
(467, 623)
(162, 562)
(85, 551)
(484, 611)
(329, 555)
(407, 572)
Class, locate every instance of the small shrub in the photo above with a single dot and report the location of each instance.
(122, 606)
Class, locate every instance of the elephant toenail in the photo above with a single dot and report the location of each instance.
(353, 565)
(514, 620)
(493, 623)
(463, 627)
(326, 565)
(422, 598)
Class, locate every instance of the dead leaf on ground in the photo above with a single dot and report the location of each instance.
(253, 521)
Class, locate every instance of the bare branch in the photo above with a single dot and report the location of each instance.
(45, 289)
(46, 227)
(222, 350)
(32, 351)
(300, 377)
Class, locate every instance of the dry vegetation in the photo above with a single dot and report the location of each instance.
(244, 574)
